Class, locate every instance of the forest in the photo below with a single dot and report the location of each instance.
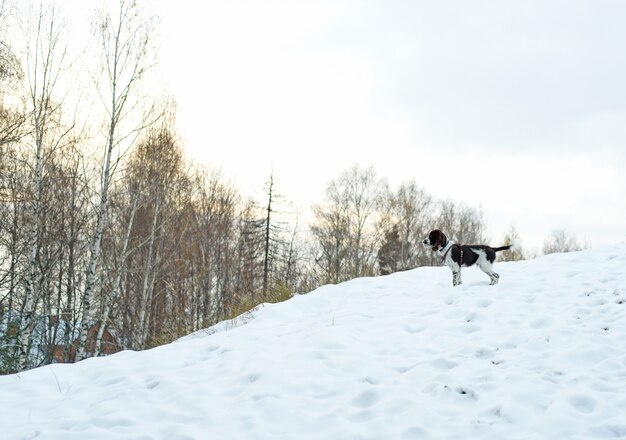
(111, 239)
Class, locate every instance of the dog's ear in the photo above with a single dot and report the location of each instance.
(442, 237)
(437, 239)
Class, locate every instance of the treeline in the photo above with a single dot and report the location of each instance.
(111, 239)
(182, 249)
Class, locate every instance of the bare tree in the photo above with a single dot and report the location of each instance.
(561, 241)
(11, 74)
(45, 62)
(11, 118)
(160, 163)
(344, 225)
(461, 223)
(118, 270)
(13, 245)
(214, 270)
(12, 240)
(290, 268)
(125, 42)
(406, 220)
(516, 253)
(11, 169)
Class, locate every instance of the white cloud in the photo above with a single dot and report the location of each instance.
(526, 97)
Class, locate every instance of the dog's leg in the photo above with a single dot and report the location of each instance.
(456, 278)
(487, 267)
(494, 278)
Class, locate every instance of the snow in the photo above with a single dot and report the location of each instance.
(542, 355)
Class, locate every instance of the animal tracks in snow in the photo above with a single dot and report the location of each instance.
(581, 403)
(443, 364)
(414, 329)
(365, 399)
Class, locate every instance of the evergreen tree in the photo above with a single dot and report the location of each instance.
(390, 254)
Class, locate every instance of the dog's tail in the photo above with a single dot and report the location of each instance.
(512, 246)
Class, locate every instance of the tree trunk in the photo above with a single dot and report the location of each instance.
(96, 241)
(125, 42)
(147, 285)
(33, 242)
(118, 281)
(266, 250)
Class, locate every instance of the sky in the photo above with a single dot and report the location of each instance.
(518, 108)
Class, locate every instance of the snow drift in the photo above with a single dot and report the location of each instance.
(542, 355)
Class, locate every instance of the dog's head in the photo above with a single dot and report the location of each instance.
(435, 240)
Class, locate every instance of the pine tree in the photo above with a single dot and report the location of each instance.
(390, 253)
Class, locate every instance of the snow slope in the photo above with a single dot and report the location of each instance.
(542, 355)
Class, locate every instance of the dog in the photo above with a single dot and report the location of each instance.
(456, 256)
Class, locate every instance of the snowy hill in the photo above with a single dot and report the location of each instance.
(542, 355)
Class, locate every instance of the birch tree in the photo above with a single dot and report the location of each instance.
(406, 220)
(11, 124)
(120, 268)
(158, 168)
(125, 46)
(11, 74)
(215, 232)
(461, 223)
(45, 61)
(560, 241)
(345, 225)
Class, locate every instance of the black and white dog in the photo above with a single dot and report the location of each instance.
(456, 256)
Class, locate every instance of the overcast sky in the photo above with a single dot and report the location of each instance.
(515, 106)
